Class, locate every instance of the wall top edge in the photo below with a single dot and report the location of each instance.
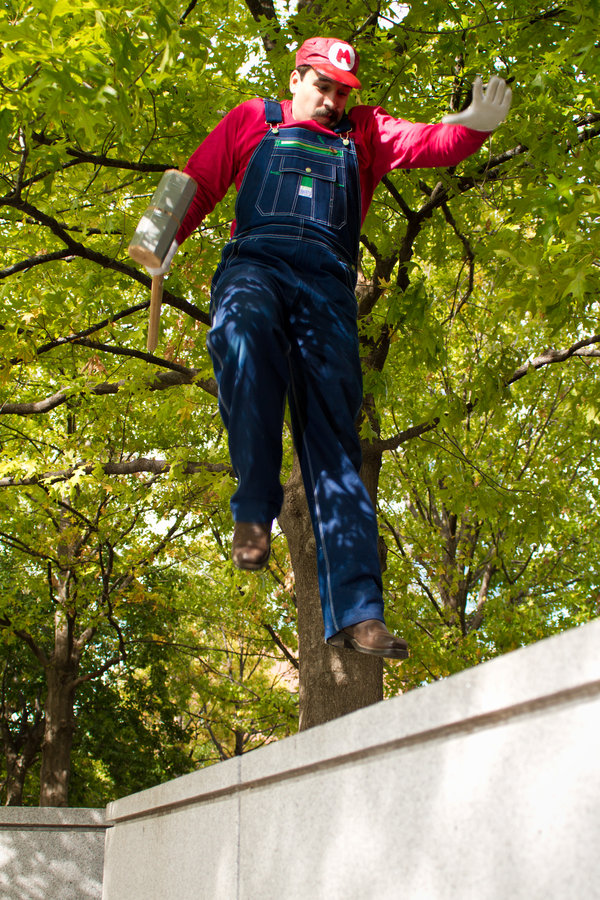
(562, 669)
(45, 817)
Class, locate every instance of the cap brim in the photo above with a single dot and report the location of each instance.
(336, 74)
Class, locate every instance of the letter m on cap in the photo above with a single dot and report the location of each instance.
(344, 55)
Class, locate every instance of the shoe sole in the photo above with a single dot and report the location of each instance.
(344, 642)
(250, 567)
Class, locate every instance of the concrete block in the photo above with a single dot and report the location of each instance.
(191, 851)
(482, 787)
(51, 854)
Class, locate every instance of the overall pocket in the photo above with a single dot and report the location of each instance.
(308, 185)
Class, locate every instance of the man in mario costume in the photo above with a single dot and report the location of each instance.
(283, 307)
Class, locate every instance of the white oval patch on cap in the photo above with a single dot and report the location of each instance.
(342, 56)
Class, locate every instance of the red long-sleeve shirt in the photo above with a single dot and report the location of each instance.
(382, 143)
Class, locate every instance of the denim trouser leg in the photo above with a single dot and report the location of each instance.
(249, 351)
(325, 396)
(279, 329)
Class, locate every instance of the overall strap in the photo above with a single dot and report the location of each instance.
(344, 126)
(274, 117)
(273, 112)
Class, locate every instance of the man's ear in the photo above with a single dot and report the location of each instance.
(294, 80)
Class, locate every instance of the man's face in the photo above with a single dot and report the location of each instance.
(317, 97)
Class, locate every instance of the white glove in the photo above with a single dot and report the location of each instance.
(167, 262)
(488, 107)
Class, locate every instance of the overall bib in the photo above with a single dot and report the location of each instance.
(283, 313)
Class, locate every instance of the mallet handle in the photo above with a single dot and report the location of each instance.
(154, 313)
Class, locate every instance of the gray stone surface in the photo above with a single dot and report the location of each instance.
(51, 853)
(483, 786)
(190, 852)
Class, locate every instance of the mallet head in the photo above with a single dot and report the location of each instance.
(160, 223)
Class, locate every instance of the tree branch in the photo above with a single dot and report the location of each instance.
(189, 10)
(407, 212)
(128, 467)
(35, 648)
(140, 354)
(582, 349)
(77, 682)
(469, 258)
(289, 656)
(265, 9)
(160, 382)
(489, 172)
(99, 326)
(37, 260)
(83, 156)
(80, 250)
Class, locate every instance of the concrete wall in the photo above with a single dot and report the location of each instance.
(486, 785)
(51, 854)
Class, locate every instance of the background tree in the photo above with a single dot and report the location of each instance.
(478, 302)
(21, 722)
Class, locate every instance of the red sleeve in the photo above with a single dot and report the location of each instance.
(221, 160)
(397, 144)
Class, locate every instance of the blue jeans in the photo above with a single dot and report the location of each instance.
(284, 325)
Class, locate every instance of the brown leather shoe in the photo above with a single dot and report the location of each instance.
(370, 636)
(251, 545)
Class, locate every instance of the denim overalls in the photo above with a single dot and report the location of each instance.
(284, 325)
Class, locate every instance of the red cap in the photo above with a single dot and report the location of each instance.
(335, 59)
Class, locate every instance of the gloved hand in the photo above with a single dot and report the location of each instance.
(167, 262)
(488, 107)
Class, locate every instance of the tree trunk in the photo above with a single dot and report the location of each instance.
(61, 670)
(15, 781)
(332, 682)
(58, 737)
(20, 753)
(16, 771)
(61, 673)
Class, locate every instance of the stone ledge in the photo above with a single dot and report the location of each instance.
(481, 787)
(518, 683)
(51, 853)
(47, 817)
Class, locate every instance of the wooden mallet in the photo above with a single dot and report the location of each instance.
(156, 232)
